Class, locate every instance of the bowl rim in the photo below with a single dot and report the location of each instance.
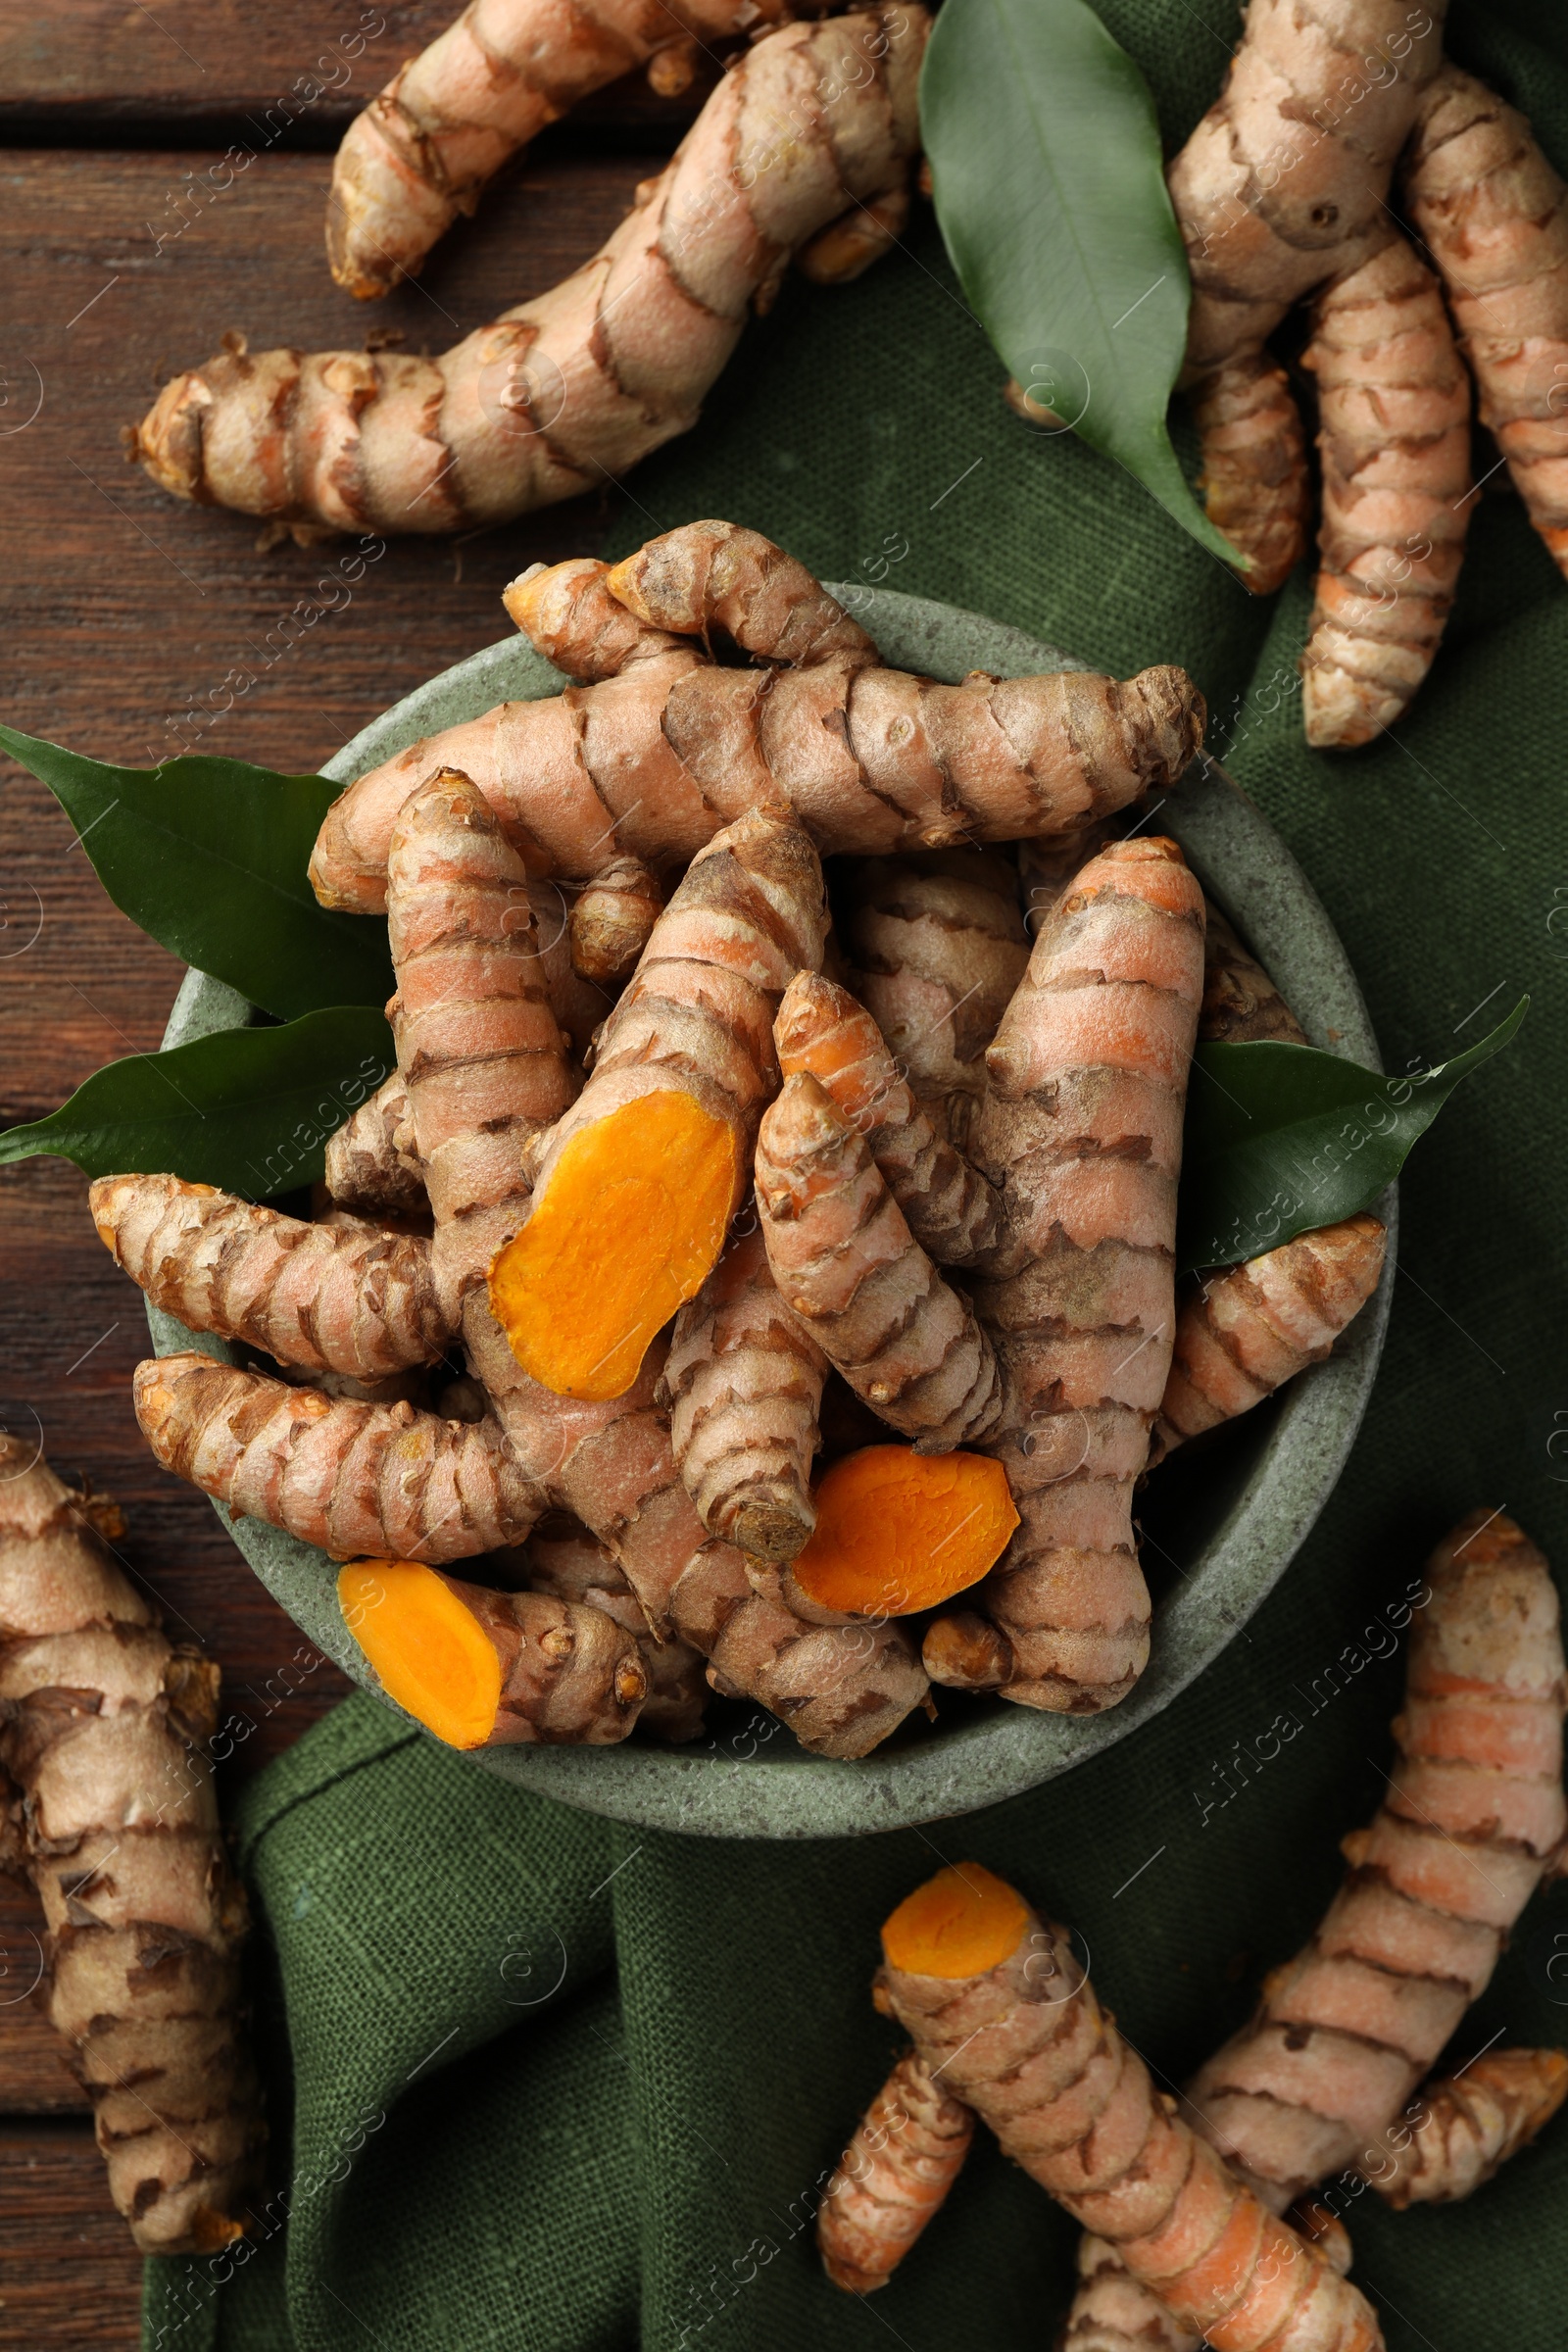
(731, 1790)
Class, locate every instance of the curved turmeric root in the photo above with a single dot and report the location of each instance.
(570, 390)
(662, 749)
(329, 1298)
(898, 1532)
(1393, 403)
(745, 1381)
(1003, 2015)
(637, 1184)
(1083, 1127)
(367, 1167)
(951, 1209)
(1474, 1813)
(1254, 478)
(1461, 2130)
(572, 1565)
(1240, 1003)
(104, 1732)
(1242, 1333)
(353, 1478)
(422, 152)
(1491, 213)
(847, 1264)
(907, 2150)
(482, 1669)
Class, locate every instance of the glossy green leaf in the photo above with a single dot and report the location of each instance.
(1282, 1139)
(1051, 191)
(210, 857)
(247, 1109)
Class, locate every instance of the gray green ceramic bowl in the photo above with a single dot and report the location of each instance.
(1221, 1521)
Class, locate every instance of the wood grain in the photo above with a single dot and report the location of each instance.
(268, 73)
(123, 609)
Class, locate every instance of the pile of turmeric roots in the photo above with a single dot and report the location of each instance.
(1217, 2217)
(1342, 149)
(901, 1177)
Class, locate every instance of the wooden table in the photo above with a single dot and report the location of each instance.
(123, 608)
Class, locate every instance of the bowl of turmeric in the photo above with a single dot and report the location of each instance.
(576, 1610)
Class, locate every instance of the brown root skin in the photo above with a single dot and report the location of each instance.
(565, 1559)
(847, 1264)
(570, 389)
(1240, 1003)
(1463, 2128)
(654, 758)
(483, 1669)
(330, 1298)
(423, 150)
(847, 248)
(683, 1068)
(1393, 404)
(720, 576)
(1242, 1334)
(104, 1731)
(351, 1477)
(1492, 215)
(1082, 1128)
(893, 2179)
(999, 2008)
(745, 1381)
(367, 1167)
(1348, 2029)
(1255, 472)
(613, 920)
(951, 1209)
(568, 612)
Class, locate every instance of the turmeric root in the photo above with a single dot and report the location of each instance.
(638, 1183)
(1475, 1811)
(570, 390)
(329, 1298)
(613, 920)
(367, 1167)
(847, 1264)
(898, 1532)
(1242, 1333)
(423, 151)
(1393, 403)
(1280, 190)
(949, 1207)
(482, 1669)
(353, 1478)
(1002, 2014)
(745, 1380)
(1240, 1003)
(1459, 2131)
(907, 2150)
(1491, 211)
(1083, 1129)
(662, 750)
(719, 576)
(565, 1560)
(104, 1726)
(935, 947)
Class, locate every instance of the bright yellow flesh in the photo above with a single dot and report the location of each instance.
(963, 1923)
(899, 1530)
(433, 1656)
(628, 1227)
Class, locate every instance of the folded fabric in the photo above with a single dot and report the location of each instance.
(563, 2086)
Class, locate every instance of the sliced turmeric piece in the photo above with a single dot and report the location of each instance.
(484, 1669)
(963, 1923)
(899, 1530)
(638, 1181)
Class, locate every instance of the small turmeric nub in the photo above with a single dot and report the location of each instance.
(899, 1530)
(963, 1923)
(907, 2150)
(630, 1229)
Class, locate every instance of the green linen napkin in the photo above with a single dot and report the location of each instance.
(559, 2086)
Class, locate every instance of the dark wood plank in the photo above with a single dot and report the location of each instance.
(122, 610)
(69, 2275)
(263, 73)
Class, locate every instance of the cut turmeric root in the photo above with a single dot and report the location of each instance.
(1001, 2011)
(899, 1530)
(482, 1669)
(640, 1178)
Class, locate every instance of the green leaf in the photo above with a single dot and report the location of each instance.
(210, 856)
(247, 1109)
(1282, 1139)
(1046, 166)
